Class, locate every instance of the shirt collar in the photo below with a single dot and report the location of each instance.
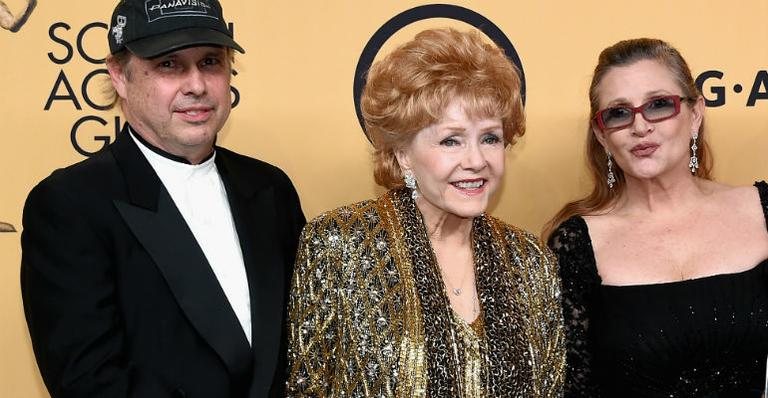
(163, 153)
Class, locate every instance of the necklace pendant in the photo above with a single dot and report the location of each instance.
(456, 292)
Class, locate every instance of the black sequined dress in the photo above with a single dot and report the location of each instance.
(705, 337)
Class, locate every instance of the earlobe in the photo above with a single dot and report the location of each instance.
(599, 134)
(402, 159)
(698, 113)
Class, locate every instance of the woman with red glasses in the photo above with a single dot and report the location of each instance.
(665, 272)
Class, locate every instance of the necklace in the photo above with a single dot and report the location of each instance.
(457, 291)
(475, 304)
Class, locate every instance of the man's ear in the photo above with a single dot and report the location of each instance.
(119, 76)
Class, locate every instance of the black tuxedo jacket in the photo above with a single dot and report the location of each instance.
(119, 298)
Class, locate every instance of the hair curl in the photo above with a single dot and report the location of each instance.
(410, 89)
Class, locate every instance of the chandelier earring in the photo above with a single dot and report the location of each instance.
(410, 183)
(694, 163)
(611, 177)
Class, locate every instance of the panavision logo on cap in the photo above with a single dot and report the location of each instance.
(157, 9)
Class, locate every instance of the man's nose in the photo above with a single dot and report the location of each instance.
(194, 82)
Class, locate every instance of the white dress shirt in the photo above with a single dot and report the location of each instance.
(200, 196)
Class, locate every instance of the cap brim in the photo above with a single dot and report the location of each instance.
(154, 46)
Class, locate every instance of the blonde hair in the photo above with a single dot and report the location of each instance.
(410, 88)
(624, 53)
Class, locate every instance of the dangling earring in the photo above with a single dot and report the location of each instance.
(611, 176)
(410, 182)
(694, 163)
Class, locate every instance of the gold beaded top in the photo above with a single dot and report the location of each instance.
(369, 314)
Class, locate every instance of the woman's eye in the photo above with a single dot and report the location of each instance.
(491, 139)
(449, 142)
(660, 103)
(618, 113)
(612, 116)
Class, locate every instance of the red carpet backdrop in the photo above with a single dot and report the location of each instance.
(294, 100)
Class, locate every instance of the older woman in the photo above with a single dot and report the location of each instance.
(665, 272)
(420, 293)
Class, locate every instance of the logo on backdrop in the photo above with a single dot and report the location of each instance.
(712, 83)
(90, 132)
(5, 227)
(416, 14)
(714, 89)
(10, 22)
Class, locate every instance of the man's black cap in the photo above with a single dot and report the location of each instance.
(150, 28)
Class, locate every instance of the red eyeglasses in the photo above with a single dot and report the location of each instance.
(655, 110)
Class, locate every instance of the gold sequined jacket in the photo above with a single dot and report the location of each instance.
(369, 316)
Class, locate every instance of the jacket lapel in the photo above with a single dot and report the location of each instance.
(253, 209)
(160, 228)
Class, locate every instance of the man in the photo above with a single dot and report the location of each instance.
(160, 266)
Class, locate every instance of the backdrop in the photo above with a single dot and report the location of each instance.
(295, 108)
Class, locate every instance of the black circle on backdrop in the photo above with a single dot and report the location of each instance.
(419, 13)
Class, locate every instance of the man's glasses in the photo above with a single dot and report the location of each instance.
(655, 110)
